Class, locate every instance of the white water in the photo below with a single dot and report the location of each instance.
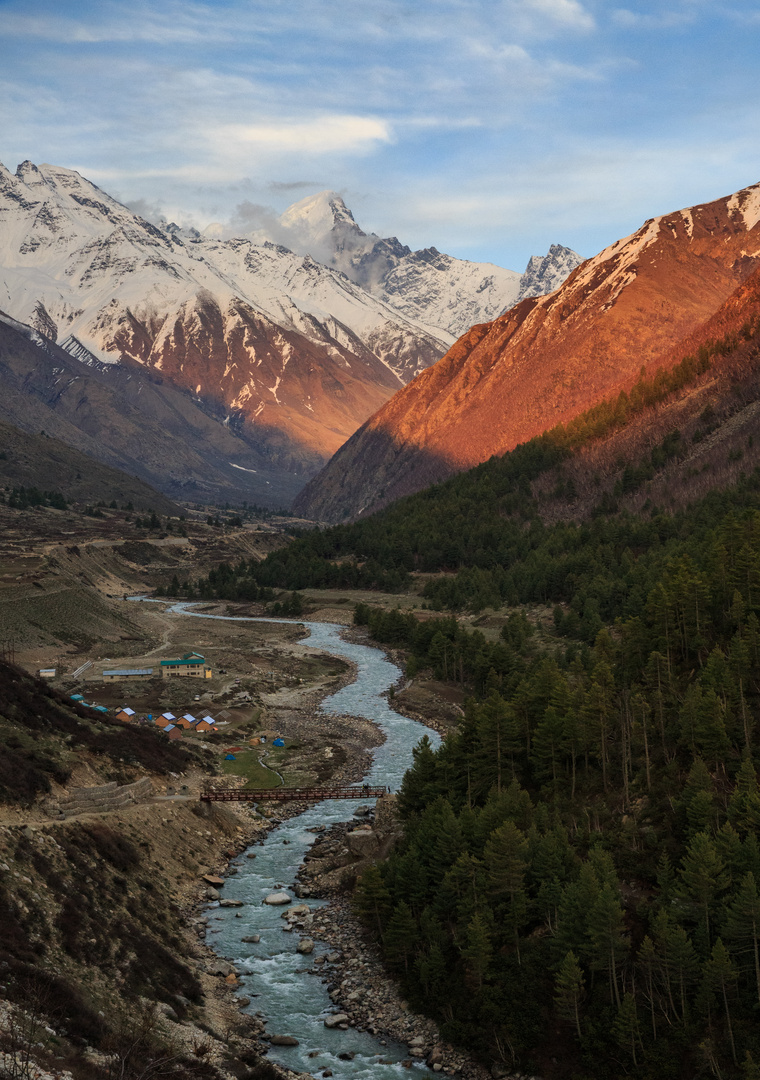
(292, 1001)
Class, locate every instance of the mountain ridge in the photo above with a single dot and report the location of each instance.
(290, 352)
(548, 358)
(437, 289)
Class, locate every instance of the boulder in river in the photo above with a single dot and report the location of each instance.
(213, 879)
(305, 946)
(254, 939)
(283, 1040)
(336, 1020)
(296, 912)
(276, 898)
(230, 903)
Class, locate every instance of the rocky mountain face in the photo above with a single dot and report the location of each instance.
(130, 417)
(435, 289)
(549, 358)
(278, 344)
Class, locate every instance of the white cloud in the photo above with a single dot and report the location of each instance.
(644, 20)
(547, 17)
(317, 136)
(167, 23)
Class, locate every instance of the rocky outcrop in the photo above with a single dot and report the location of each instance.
(548, 359)
(363, 842)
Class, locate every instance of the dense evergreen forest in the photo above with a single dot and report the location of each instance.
(577, 890)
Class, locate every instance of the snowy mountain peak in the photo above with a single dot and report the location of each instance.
(29, 174)
(316, 216)
(433, 288)
(545, 273)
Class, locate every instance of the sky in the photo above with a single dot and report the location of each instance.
(487, 129)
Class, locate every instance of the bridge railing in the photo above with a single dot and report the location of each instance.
(314, 794)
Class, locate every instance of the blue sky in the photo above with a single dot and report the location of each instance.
(489, 129)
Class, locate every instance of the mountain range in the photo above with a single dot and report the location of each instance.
(436, 289)
(285, 354)
(548, 359)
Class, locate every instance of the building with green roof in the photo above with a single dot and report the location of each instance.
(192, 664)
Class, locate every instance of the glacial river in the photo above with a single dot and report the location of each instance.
(291, 1001)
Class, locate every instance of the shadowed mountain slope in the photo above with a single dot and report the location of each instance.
(132, 419)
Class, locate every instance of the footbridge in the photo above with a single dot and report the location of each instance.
(311, 794)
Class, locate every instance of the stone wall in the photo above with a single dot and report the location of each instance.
(95, 800)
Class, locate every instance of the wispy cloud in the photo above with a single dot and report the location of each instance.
(459, 122)
(316, 137)
(538, 18)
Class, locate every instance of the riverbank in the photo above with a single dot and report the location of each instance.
(357, 980)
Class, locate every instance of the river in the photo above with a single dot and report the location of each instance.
(290, 1000)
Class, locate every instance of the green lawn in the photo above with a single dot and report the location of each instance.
(246, 764)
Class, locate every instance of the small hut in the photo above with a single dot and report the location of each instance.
(125, 714)
(165, 719)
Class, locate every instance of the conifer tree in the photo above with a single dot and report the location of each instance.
(743, 924)
(703, 876)
(744, 804)
(607, 937)
(400, 937)
(720, 976)
(626, 1027)
(569, 985)
(372, 900)
(505, 861)
(477, 950)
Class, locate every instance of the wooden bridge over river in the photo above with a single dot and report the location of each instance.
(312, 794)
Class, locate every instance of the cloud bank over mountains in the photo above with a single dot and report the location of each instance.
(492, 130)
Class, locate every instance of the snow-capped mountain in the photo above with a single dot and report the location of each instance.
(293, 349)
(435, 289)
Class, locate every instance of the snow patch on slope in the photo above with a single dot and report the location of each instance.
(747, 202)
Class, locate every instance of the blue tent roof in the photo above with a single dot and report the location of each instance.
(278, 742)
(230, 757)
